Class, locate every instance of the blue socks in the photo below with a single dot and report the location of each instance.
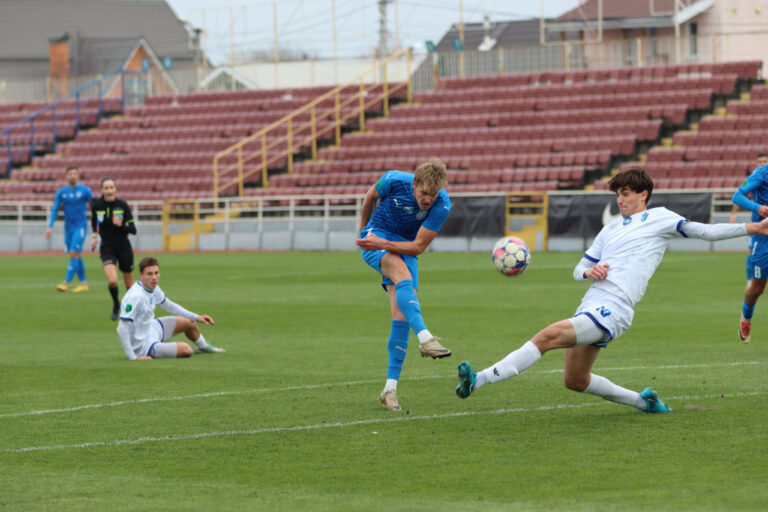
(81, 270)
(747, 311)
(76, 266)
(398, 347)
(409, 305)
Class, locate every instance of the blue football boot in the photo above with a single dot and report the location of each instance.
(467, 378)
(652, 401)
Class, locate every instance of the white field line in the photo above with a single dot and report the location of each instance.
(336, 384)
(320, 426)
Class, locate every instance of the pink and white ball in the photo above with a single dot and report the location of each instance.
(511, 256)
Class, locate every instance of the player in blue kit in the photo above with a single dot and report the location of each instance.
(74, 197)
(757, 259)
(620, 262)
(411, 211)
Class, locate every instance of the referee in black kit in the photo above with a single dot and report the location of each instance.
(112, 220)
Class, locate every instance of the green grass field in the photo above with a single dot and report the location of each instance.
(289, 418)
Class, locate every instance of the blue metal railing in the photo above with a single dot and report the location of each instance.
(8, 132)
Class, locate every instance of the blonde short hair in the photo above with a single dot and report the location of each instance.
(432, 176)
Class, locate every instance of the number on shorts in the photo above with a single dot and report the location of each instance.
(757, 272)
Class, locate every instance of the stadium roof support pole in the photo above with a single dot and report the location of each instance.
(335, 43)
(408, 83)
(677, 34)
(461, 37)
(276, 52)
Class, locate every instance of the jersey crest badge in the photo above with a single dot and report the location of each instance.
(421, 214)
(644, 216)
(408, 209)
(627, 220)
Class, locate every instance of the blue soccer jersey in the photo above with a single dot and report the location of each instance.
(74, 199)
(757, 184)
(398, 216)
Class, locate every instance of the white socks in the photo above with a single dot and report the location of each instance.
(200, 342)
(391, 384)
(424, 336)
(607, 390)
(514, 364)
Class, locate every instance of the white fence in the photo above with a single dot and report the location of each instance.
(277, 223)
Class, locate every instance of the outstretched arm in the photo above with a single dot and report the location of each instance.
(714, 232)
(177, 310)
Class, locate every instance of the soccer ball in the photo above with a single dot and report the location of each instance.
(511, 256)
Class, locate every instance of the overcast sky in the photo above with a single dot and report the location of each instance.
(306, 26)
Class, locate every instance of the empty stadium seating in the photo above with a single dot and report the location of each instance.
(534, 131)
(720, 153)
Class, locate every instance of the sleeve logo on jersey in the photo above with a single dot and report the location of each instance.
(128, 308)
(378, 184)
(745, 182)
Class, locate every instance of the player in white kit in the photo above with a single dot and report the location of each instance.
(143, 336)
(620, 263)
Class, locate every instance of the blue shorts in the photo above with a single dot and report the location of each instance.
(757, 262)
(74, 238)
(373, 259)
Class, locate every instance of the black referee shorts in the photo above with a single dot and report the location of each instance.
(120, 254)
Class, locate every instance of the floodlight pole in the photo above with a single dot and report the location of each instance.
(461, 38)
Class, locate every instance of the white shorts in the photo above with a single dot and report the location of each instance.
(608, 312)
(161, 331)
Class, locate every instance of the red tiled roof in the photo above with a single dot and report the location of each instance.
(613, 9)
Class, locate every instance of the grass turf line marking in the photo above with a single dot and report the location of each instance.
(317, 386)
(320, 426)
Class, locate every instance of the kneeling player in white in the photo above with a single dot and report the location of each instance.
(143, 336)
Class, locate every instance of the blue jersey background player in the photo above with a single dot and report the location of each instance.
(757, 259)
(73, 197)
(411, 211)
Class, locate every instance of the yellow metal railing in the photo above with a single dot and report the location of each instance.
(290, 133)
(527, 211)
(189, 211)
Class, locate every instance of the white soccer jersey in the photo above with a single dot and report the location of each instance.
(633, 247)
(138, 308)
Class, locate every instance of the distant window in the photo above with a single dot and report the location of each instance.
(653, 42)
(629, 47)
(693, 39)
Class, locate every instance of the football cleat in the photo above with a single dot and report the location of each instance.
(467, 379)
(80, 288)
(209, 349)
(652, 401)
(744, 331)
(115, 312)
(62, 287)
(432, 348)
(389, 399)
